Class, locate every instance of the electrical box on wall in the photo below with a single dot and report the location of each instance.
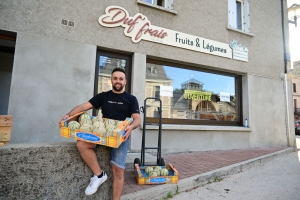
(67, 22)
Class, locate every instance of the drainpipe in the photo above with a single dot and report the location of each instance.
(285, 81)
(283, 37)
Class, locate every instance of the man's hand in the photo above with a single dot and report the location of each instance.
(128, 130)
(136, 122)
(63, 118)
(83, 107)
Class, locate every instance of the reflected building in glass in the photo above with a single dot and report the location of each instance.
(191, 101)
(156, 77)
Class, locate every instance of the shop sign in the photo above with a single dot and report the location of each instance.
(288, 57)
(140, 28)
(197, 95)
(239, 52)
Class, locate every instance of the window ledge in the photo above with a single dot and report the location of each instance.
(157, 7)
(198, 128)
(237, 30)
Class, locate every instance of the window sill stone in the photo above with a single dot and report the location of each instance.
(157, 7)
(243, 32)
(198, 128)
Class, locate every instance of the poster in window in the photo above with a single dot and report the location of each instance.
(166, 91)
(224, 96)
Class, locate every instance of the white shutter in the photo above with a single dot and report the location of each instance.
(169, 4)
(232, 13)
(246, 16)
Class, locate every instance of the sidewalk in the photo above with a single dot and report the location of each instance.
(196, 169)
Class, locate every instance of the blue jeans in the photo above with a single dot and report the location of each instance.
(118, 155)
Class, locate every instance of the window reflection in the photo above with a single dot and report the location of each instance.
(239, 15)
(190, 94)
(106, 65)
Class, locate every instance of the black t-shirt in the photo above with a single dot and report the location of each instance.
(115, 106)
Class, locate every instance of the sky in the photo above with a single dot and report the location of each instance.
(294, 33)
(212, 82)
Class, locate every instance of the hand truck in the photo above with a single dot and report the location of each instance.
(160, 161)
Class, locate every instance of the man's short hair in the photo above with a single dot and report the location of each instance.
(118, 69)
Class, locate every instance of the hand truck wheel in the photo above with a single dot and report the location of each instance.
(161, 162)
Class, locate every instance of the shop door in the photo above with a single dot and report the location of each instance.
(7, 50)
(105, 63)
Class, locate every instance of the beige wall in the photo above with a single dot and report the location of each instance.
(59, 62)
(296, 96)
(199, 18)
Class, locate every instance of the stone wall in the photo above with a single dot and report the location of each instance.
(49, 171)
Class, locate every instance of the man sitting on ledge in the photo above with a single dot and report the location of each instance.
(115, 104)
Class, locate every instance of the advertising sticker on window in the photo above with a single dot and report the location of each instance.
(166, 91)
(197, 95)
(224, 96)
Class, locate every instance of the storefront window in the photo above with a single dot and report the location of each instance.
(192, 96)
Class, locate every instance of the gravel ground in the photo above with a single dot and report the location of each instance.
(276, 179)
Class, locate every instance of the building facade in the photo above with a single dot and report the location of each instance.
(212, 64)
(296, 90)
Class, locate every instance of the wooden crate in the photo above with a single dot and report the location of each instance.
(5, 128)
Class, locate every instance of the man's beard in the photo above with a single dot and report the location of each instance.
(118, 89)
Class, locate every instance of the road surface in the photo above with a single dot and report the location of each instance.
(276, 179)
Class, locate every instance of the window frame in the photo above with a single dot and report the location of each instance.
(245, 15)
(238, 94)
(294, 87)
(156, 91)
(168, 4)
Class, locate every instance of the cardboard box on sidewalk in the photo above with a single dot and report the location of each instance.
(111, 140)
(142, 178)
(5, 129)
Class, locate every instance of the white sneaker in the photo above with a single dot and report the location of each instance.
(95, 182)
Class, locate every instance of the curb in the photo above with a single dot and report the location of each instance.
(161, 191)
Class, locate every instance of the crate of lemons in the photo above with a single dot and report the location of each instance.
(95, 129)
(156, 174)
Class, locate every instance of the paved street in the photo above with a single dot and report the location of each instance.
(275, 179)
(190, 164)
